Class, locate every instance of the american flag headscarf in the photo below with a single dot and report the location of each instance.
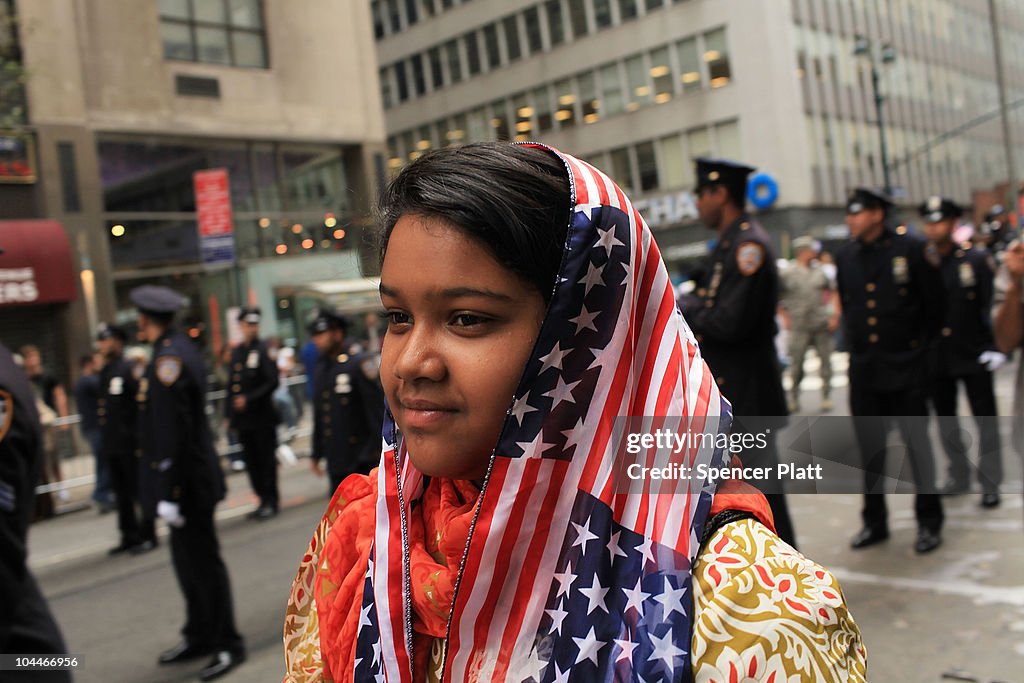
(569, 574)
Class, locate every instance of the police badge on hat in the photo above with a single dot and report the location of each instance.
(967, 278)
(900, 270)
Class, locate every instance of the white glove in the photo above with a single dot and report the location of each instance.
(170, 513)
(992, 360)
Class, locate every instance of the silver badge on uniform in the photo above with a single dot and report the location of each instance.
(252, 361)
(342, 384)
(116, 386)
(716, 279)
(967, 275)
(900, 270)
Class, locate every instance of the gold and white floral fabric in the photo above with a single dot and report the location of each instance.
(765, 613)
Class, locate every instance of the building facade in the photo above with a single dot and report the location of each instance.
(641, 87)
(126, 101)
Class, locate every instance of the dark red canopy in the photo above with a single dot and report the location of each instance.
(36, 265)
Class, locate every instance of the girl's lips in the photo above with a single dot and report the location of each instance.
(418, 414)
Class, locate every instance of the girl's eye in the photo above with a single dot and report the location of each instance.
(396, 318)
(468, 320)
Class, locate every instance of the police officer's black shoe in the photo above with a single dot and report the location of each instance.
(927, 540)
(182, 652)
(990, 499)
(954, 487)
(266, 512)
(142, 548)
(868, 536)
(223, 661)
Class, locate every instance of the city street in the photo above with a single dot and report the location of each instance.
(956, 612)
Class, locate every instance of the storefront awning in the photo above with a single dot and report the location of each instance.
(36, 265)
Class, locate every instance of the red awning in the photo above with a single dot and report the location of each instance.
(36, 265)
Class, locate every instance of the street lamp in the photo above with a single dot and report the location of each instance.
(862, 47)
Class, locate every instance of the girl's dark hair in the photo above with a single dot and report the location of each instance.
(513, 199)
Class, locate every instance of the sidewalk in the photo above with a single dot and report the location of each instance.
(78, 531)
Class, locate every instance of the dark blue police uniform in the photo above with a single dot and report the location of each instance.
(254, 376)
(891, 295)
(348, 408)
(732, 315)
(968, 275)
(26, 624)
(180, 466)
(118, 412)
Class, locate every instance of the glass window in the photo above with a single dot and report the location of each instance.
(602, 13)
(436, 68)
(412, 13)
(612, 101)
(661, 75)
(472, 54)
(175, 9)
(620, 169)
(385, 89)
(534, 40)
(673, 162)
(212, 46)
(451, 51)
(499, 121)
(401, 82)
(565, 98)
(589, 104)
(556, 25)
(214, 31)
(716, 55)
(578, 18)
(418, 78)
(524, 118)
(698, 143)
(177, 40)
(394, 17)
(456, 134)
(627, 9)
(689, 64)
(647, 165)
(542, 109)
(479, 125)
(512, 38)
(491, 46)
(727, 139)
(638, 93)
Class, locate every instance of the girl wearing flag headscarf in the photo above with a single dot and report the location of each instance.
(531, 328)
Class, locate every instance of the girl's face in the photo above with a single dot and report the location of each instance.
(460, 329)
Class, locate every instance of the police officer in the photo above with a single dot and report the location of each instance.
(250, 409)
(891, 294)
(966, 352)
(26, 624)
(182, 482)
(732, 311)
(348, 402)
(810, 313)
(117, 411)
(995, 232)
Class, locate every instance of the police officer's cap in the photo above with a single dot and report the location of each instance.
(251, 314)
(157, 300)
(995, 212)
(326, 319)
(863, 198)
(732, 174)
(108, 331)
(805, 242)
(935, 209)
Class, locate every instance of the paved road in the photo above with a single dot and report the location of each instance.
(957, 611)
